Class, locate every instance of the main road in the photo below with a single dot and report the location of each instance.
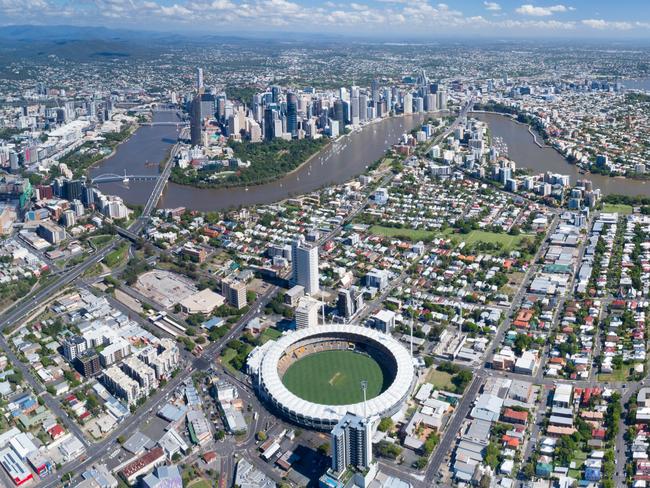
(14, 315)
(463, 408)
(96, 451)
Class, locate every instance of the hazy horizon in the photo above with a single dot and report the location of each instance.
(377, 19)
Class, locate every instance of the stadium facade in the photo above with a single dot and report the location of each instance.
(268, 363)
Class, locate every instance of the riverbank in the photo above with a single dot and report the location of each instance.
(526, 153)
(133, 128)
(333, 165)
(269, 156)
(331, 144)
(533, 134)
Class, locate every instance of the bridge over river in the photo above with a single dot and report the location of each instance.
(111, 177)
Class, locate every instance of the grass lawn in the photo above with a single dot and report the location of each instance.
(271, 334)
(620, 208)
(440, 380)
(200, 483)
(575, 473)
(117, 257)
(408, 234)
(99, 241)
(334, 377)
(579, 457)
(94, 270)
(507, 241)
(227, 356)
(617, 375)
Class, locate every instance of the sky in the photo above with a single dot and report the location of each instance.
(389, 19)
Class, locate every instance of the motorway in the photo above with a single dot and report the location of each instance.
(97, 452)
(13, 316)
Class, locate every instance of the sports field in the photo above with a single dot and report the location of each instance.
(334, 377)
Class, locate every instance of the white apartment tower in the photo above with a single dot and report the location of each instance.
(351, 443)
(307, 312)
(305, 266)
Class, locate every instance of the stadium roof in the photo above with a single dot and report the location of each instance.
(377, 406)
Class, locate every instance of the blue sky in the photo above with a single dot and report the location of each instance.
(376, 18)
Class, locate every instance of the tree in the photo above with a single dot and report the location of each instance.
(461, 380)
(388, 449)
(385, 424)
(528, 470)
(261, 436)
(420, 463)
(492, 455)
(431, 443)
(324, 449)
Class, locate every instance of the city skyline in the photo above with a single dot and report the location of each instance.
(388, 19)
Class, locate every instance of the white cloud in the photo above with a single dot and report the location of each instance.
(543, 25)
(176, 11)
(602, 24)
(358, 16)
(528, 9)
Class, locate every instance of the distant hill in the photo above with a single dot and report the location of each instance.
(78, 33)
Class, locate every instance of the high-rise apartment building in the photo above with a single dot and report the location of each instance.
(305, 266)
(292, 114)
(196, 122)
(307, 312)
(351, 443)
(235, 293)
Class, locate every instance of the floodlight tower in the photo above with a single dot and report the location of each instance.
(411, 338)
(364, 388)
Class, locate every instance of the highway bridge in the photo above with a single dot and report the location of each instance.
(110, 177)
(158, 124)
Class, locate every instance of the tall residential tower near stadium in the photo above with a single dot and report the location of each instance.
(351, 443)
(305, 265)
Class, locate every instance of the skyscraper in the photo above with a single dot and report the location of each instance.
(269, 120)
(199, 79)
(305, 265)
(363, 107)
(374, 87)
(339, 113)
(354, 109)
(431, 102)
(208, 105)
(196, 122)
(388, 96)
(292, 114)
(442, 99)
(275, 94)
(351, 443)
(408, 103)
